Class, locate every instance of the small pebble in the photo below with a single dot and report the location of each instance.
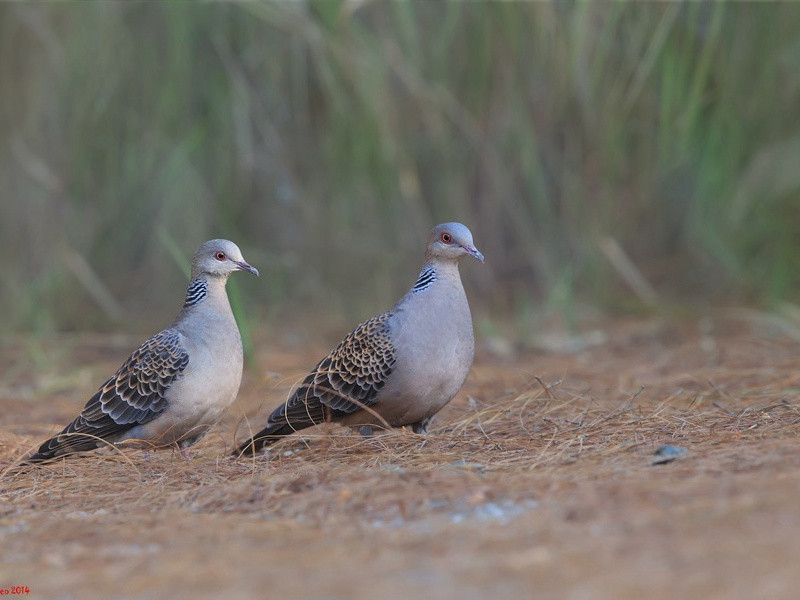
(666, 454)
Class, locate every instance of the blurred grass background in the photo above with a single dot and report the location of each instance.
(604, 154)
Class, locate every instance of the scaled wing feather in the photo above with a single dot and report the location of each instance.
(135, 395)
(347, 379)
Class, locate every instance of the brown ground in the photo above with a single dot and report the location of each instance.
(518, 492)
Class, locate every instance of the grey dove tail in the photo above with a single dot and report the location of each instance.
(272, 433)
(47, 451)
(64, 444)
(38, 458)
(45, 454)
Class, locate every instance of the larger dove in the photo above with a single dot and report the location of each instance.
(398, 368)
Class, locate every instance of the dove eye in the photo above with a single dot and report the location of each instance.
(220, 255)
(447, 238)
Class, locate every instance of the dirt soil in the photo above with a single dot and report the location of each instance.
(536, 482)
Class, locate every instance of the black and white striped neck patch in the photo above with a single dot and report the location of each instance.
(197, 292)
(426, 278)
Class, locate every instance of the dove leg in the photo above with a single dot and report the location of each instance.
(421, 427)
(184, 448)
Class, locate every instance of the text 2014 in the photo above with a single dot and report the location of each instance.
(15, 590)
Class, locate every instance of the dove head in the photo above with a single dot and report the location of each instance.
(219, 258)
(450, 242)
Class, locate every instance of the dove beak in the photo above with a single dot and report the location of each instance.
(474, 252)
(243, 266)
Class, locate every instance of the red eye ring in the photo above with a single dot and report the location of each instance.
(220, 255)
(447, 238)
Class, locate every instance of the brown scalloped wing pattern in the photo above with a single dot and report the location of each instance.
(134, 395)
(349, 378)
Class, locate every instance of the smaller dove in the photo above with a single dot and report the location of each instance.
(179, 383)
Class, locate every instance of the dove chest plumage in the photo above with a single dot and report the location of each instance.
(208, 386)
(431, 330)
(216, 363)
